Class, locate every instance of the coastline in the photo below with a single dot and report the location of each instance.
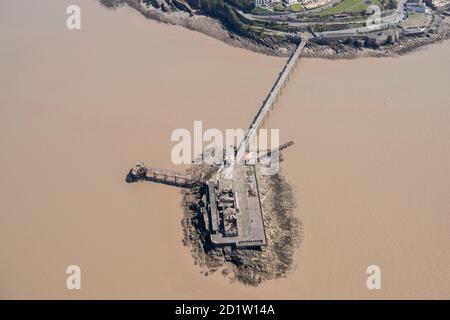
(283, 47)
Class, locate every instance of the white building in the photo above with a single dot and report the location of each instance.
(267, 3)
(417, 6)
(264, 3)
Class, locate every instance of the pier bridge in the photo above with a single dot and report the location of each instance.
(271, 97)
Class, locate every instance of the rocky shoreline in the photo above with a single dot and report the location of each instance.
(284, 46)
(249, 266)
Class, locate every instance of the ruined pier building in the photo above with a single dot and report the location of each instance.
(232, 211)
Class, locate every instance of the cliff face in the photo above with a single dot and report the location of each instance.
(216, 18)
(218, 9)
(221, 10)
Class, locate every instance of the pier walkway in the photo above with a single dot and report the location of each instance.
(271, 98)
(174, 178)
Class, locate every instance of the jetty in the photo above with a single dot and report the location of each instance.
(174, 178)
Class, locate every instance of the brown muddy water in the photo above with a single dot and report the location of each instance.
(370, 166)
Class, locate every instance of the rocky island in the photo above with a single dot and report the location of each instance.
(249, 266)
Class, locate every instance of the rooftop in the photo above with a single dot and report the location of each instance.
(235, 204)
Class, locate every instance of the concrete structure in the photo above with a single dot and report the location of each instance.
(271, 98)
(267, 3)
(234, 213)
(214, 220)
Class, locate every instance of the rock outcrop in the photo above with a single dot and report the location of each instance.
(249, 266)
